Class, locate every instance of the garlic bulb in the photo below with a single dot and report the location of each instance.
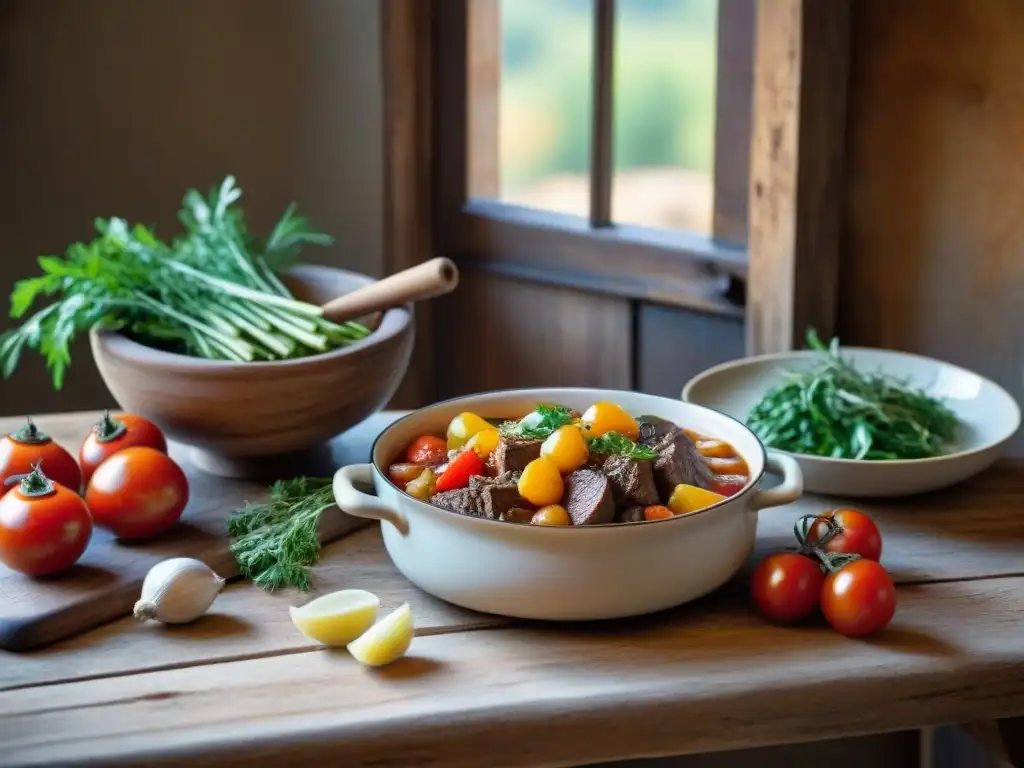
(178, 591)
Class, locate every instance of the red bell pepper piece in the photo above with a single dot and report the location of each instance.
(459, 470)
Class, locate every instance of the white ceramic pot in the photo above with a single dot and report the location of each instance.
(571, 573)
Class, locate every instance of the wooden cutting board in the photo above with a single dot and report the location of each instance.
(106, 581)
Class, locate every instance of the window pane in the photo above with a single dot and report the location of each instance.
(664, 102)
(531, 145)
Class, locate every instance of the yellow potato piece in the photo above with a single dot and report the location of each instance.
(484, 442)
(541, 484)
(552, 514)
(337, 618)
(463, 427)
(604, 417)
(386, 641)
(567, 448)
(690, 498)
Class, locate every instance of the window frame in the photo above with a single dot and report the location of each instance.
(783, 280)
(668, 266)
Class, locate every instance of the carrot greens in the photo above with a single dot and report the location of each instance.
(211, 292)
(832, 409)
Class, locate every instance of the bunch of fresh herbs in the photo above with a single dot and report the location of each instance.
(832, 409)
(211, 292)
(276, 543)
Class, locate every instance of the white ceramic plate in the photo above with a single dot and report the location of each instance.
(989, 417)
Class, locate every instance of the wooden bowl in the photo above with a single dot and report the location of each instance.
(239, 416)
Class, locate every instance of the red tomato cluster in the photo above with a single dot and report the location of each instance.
(837, 569)
(123, 481)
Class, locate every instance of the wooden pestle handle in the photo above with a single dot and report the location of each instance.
(424, 281)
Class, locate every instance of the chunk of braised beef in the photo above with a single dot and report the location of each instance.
(654, 429)
(518, 515)
(679, 462)
(497, 500)
(588, 497)
(631, 514)
(495, 496)
(632, 480)
(461, 500)
(514, 453)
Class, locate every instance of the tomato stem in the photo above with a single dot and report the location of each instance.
(29, 434)
(109, 428)
(36, 484)
(832, 561)
(802, 531)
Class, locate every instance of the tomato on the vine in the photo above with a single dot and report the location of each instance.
(20, 451)
(137, 493)
(786, 586)
(859, 598)
(855, 533)
(111, 435)
(44, 526)
(427, 449)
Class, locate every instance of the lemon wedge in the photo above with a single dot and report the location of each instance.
(337, 618)
(386, 641)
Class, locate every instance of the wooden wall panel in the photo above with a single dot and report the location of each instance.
(674, 345)
(935, 235)
(496, 333)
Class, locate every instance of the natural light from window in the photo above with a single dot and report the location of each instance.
(664, 102)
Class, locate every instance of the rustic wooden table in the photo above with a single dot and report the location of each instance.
(243, 686)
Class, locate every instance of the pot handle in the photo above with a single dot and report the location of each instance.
(791, 488)
(359, 504)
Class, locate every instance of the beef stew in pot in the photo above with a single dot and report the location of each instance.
(556, 466)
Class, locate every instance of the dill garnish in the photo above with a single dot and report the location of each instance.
(276, 543)
(538, 424)
(616, 444)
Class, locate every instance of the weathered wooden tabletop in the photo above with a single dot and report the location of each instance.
(243, 686)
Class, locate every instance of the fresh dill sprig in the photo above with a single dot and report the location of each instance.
(276, 543)
(538, 424)
(616, 444)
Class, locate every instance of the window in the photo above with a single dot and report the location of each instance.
(767, 248)
(596, 143)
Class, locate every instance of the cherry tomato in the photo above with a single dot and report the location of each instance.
(427, 449)
(20, 451)
(112, 435)
(459, 470)
(137, 493)
(857, 533)
(786, 587)
(859, 599)
(44, 526)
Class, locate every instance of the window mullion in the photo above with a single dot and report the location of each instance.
(602, 115)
